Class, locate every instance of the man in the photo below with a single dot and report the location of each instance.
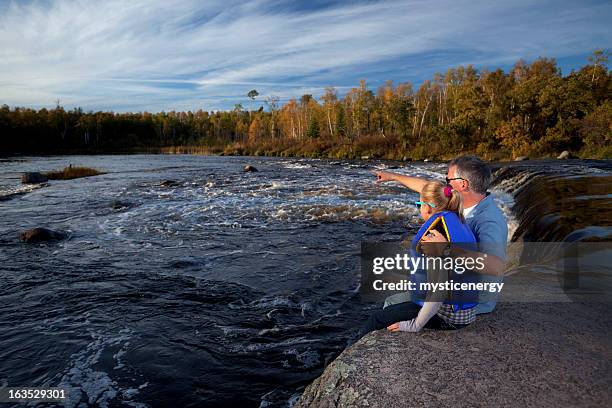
(471, 177)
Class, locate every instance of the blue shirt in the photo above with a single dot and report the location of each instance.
(489, 225)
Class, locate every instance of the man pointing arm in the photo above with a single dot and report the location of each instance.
(413, 183)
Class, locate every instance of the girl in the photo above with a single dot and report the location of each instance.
(441, 209)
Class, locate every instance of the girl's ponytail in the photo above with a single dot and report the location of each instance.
(455, 204)
(444, 197)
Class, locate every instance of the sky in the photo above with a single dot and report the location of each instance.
(160, 55)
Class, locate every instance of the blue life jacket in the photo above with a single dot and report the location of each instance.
(456, 232)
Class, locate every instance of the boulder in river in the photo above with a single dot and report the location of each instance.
(33, 178)
(118, 205)
(169, 183)
(564, 155)
(41, 235)
(249, 168)
(522, 158)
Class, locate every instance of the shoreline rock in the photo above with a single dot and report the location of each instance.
(564, 155)
(546, 354)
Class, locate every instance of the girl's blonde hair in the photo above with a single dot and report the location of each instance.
(435, 192)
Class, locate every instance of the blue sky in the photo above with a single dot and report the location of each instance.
(160, 55)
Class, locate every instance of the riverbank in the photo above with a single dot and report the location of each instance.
(318, 149)
(366, 148)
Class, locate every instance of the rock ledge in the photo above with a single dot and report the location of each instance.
(524, 354)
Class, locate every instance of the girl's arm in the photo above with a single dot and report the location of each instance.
(428, 310)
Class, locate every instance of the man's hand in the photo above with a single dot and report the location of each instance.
(413, 183)
(383, 176)
(436, 238)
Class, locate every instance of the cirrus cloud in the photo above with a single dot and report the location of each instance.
(158, 55)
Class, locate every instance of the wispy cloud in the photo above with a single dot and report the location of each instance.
(159, 55)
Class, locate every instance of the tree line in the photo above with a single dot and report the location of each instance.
(530, 110)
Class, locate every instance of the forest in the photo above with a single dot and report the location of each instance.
(531, 110)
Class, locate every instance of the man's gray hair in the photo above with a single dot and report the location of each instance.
(474, 170)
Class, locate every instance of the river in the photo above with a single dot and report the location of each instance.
(220, 288)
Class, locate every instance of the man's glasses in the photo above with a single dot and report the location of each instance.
(420, 203)
(448, 180)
